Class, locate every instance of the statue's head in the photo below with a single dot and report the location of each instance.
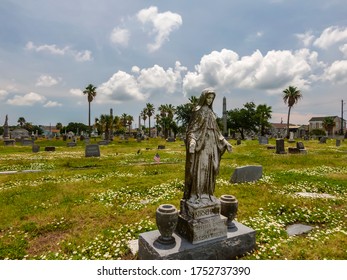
(206, 98)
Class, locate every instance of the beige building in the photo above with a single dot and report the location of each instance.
(317, 123)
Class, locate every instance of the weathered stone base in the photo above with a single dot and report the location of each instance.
(199, 222)
(238, 242)
(201, 230)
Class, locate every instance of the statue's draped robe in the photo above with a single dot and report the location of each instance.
(202, 166)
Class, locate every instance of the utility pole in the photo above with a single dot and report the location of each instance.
(225, 113)
(342, 122)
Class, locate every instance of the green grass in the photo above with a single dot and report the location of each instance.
(88, 208)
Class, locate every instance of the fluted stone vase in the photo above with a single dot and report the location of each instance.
(166, 219)
(229, 206)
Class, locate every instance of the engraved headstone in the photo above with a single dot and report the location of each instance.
(50, 149)
(92, 150)
(71, 144)
(27, 142)
(280, 146)
(35, 148)
(323, 140)
(263, 140)
(300, 145)
(338, 142)
(248, 173)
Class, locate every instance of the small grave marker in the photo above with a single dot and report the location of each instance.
(248, 173)
(92, 150)
(263, 140)
(35, 148)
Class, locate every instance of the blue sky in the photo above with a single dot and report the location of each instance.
(163, 52)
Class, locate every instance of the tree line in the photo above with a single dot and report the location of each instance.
(171, 120)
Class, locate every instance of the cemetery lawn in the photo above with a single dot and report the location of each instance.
(63, 205)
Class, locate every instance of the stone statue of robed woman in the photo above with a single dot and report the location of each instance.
(205, 146)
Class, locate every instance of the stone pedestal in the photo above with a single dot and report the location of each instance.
(201, 222)
(201, 234)
(9, 142)
(237, 242)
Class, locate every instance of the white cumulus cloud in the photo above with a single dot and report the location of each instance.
(343, 49)
(3, 94)
(142, 83)
(76, 92)
(331, 36)
(46, 81)
(157, 78)
(52, 49)
(120, 36)
(270, 72)
(337, 72)
(28, 99)
(120, 87)
(162, 25)
(306, 38)
(80, 56)
(51, 104)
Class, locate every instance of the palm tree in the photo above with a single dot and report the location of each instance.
(149, 111)
(106, 123)
(291, 96)
(21, 121)
(90, 91)
(167, 112)
(329, 124)
(263, 113)
(130, 120)
(143, 115)
(123, 119)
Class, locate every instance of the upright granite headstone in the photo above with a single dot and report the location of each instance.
(248, 173)
(92, 150)
(71, 144)
(291, 137)
(301, 147)
(263, 140)
(27, 142)
(323, 140)
(338, 142)
(35, 148)
(280, 146)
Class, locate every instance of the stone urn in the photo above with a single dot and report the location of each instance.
(166, 218)
(229, 206)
